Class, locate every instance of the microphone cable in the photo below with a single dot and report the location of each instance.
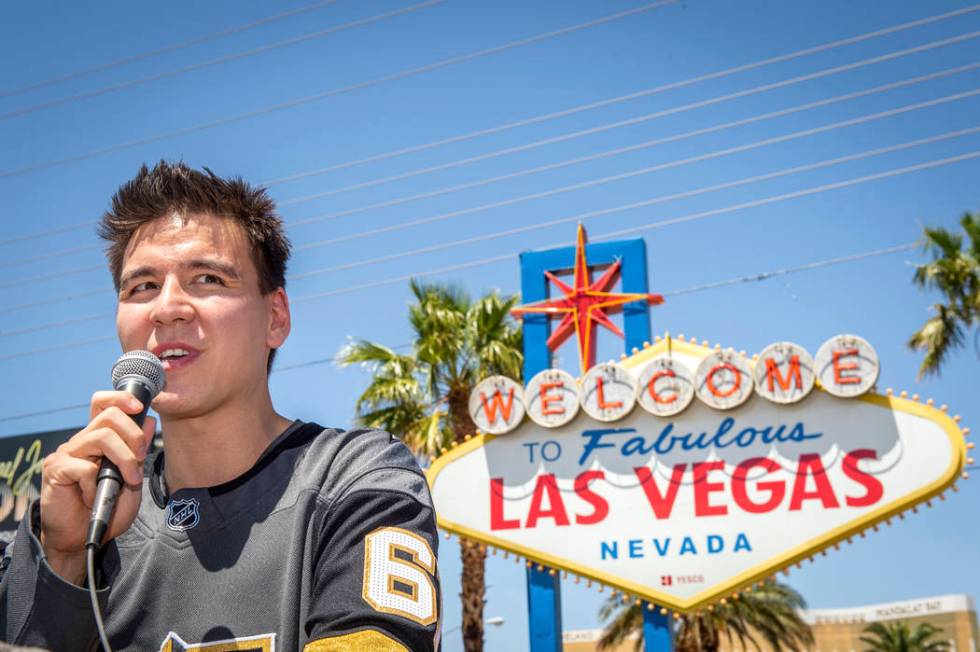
(96, 609)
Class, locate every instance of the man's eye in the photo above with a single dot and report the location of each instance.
(210, 278)
(140, 287)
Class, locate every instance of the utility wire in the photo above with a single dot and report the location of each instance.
(653, 225)
(610, 211)
(635, 147)
(403, 74)
(572, 110)
(655, 90)
(296, 40)
(764, 276)
(738, 280)
(642, 171)
(577, 134)
(165, 49)
(637, 120)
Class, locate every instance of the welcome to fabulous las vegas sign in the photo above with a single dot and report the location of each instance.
(685, 472)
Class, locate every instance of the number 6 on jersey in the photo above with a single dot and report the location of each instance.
(398, 570)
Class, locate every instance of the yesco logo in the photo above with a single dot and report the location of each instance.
(846, 366)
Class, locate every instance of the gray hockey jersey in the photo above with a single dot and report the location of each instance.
(328, 543)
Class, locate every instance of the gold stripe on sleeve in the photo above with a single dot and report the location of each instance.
(367, 640)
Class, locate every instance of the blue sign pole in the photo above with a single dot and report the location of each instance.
(657, 636)
(543, 588)
(543, 610)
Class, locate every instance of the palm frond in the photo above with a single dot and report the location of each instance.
(626, 619)
(954, 271)
(897, 637)
(937, 337)
(771, 614)
(496, 338)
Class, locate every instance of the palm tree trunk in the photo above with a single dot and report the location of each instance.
(473, 554)
(472, 596)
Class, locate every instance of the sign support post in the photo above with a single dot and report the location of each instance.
(544, 589)
(657, 636)
(544, 610)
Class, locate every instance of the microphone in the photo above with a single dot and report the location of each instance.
(141, 374)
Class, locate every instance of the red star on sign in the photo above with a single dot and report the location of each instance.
(584, 304)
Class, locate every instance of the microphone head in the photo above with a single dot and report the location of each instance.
(142, 366)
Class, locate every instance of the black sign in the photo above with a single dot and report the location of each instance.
(20, 473)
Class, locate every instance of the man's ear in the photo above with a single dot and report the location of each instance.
(279, 319)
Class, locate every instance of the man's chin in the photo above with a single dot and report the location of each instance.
(171, 406)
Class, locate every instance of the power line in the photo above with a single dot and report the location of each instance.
(575, 109)
(41, 413)
(165, 49)
(403, 74)
(617, 209)
(655, 90)
(609, 211)
(296, 40)
(18, 262)
(765, 276)
(46, 302)
(639, 119)
(577, 134)
(652, 225)
(658, 200)
(632, 173)
(637, 146)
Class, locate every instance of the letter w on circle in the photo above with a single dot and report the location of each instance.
(497, 403)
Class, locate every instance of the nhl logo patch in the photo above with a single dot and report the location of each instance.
(183, 514)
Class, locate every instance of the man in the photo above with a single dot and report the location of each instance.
(252, 531)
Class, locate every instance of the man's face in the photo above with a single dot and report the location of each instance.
(189, 292)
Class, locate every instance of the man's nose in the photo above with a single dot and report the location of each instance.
(172, 304)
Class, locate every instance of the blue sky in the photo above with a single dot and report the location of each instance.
(66, 146)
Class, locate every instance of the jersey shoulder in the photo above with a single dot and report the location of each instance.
(341, 462)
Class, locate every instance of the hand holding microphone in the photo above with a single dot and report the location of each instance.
(73, 508)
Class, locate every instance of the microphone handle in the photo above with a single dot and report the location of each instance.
(109, 480)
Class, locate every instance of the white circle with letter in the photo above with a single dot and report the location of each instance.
(723, 380)
(497, 405)
(784, 373)
(847, 366)
(666, 387)
(608, 392)
(551, 398)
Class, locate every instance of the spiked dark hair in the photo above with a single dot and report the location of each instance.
(171, 188)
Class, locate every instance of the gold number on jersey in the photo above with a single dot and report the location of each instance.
(398, 571)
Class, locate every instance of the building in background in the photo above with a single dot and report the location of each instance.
(840, 630)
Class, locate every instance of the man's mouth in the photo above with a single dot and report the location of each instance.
(174, 354)
(174, 357)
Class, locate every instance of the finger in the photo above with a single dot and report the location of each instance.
(123, 424)
(149, 429)
(67, 471)
(105, 442)
(105, 399)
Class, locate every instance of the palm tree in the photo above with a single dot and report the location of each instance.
(955, 272)
(770, 612)
(423, 396)
(897, 637)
